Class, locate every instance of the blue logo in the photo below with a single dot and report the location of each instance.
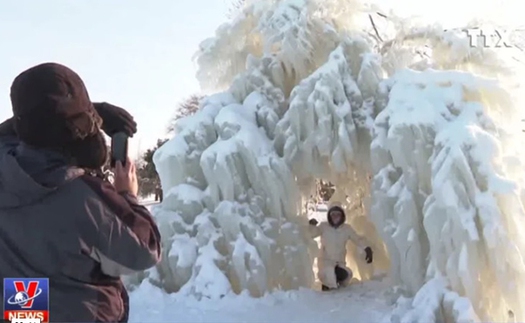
(26, 294)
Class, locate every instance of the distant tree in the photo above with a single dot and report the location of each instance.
(325, 190)
(187, 107)
(149, 181)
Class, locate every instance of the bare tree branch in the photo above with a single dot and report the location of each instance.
(375, 28)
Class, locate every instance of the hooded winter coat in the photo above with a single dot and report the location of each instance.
(333, 248)
(58, 222)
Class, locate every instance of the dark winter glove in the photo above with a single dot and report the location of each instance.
(369, 255)
(115, 119)
(313, 222)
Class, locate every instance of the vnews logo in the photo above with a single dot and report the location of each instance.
(26, 300)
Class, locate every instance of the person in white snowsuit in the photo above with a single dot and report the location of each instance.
(335, 233)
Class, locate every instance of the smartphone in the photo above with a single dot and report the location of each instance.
(119, 148)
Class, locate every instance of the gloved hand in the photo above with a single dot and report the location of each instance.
(313, 222)
(115, 119)
(369, 255)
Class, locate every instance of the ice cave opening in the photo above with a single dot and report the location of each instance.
(353, 193)
(420, 134)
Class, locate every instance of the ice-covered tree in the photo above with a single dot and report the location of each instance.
(408, 121)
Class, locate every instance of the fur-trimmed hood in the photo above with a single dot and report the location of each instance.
(333, 208)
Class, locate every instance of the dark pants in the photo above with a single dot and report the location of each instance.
(340, 276)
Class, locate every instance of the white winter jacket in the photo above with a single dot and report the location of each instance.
(333, 249)
(334, 239)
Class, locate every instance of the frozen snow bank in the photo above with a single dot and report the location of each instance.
(360, 304)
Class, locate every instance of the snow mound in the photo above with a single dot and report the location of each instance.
(425, 160)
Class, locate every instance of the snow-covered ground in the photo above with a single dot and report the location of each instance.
(360, 302)
(319, 214)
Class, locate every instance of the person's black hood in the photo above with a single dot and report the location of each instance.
(329, 219)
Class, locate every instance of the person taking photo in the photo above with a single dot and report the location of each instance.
(59, 221)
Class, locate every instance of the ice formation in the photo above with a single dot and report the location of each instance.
(310, 90)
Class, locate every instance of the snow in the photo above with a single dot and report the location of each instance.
(359, 303)
(420, 135)
(455, 175)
